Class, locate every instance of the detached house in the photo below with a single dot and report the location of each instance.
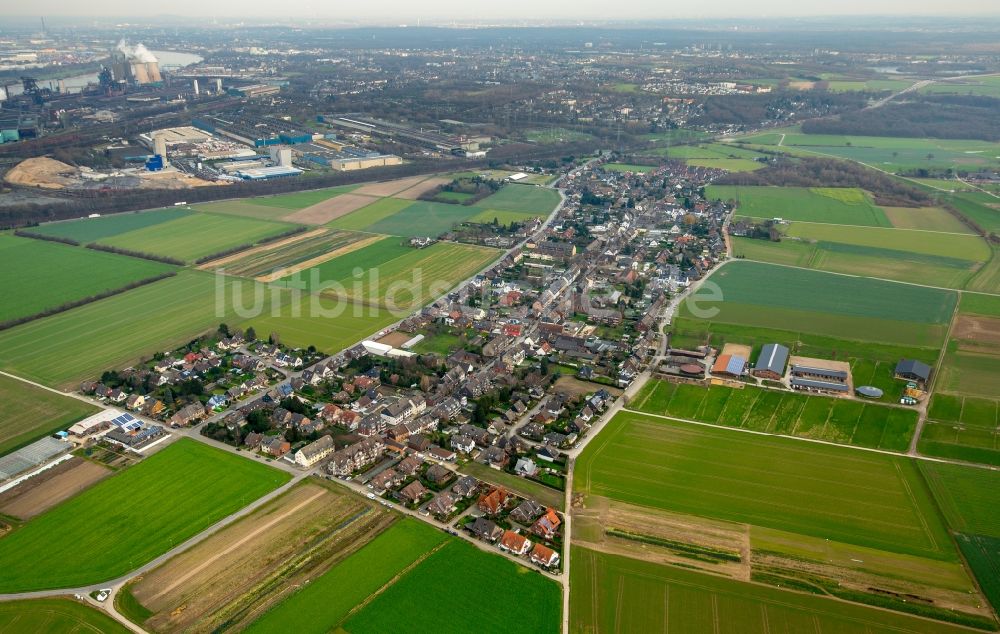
(515, 543)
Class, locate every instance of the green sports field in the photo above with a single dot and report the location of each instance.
(848, 206)
(610, 593)
(841, 494)
(56, 615)
(38, 275)
(27, 413)
(485, 584)
(126, 520)
(196, 235)
(323, 604)
(88, 230)
(786, 413)
(64, 349)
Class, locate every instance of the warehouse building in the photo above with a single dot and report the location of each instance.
(771, 362)
(254, 131)
(267, 173)
(913, 370)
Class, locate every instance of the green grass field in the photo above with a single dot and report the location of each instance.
(88, 230)
(628, 167)
(610, 593)
(984, 86)
(926, 219)
(79, 344)
(837, 493)
(196, 235)
(124, 521)
(273, 207)
(27, 413)
(56, 615)
(786, 413)
(368, 215)
(422, 218)
(942, 245)
(983, 556)
(329, 324)
(977, 304)
(556, 135)
(848, 206)
(725, 156)
(762, 295)
(966, 496)
(522, 198)
(503, 217)
(528, 488)
(893, 154)
(393, 274)
(323, 604)
(38, 275)
(267, 262)
(489, 589)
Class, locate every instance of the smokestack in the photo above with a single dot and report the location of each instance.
(160, 147)
(218, 85)
(196, 91)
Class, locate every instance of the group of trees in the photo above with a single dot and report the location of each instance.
(752, 110)
(935, 116)
(822, 172)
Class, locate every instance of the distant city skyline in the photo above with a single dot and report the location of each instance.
(399, 11)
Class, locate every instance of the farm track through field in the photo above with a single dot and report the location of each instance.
(270, 246)
(319, 259)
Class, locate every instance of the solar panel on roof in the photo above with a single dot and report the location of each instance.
(736, 365)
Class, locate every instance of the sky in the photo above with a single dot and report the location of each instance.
(407, 11)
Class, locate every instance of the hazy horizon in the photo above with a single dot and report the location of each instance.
(398, 11)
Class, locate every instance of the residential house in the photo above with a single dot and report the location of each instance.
(187, 415)
(542, 555)
(515, 543)
(314, 452)
(412, 492)
(525, 467)
(485, 530)
(466, 486)
(350, 459)
(547, 525)
(409, 465)
(526, 512)
(385, 480)
(493, 502)
(438, 475)
(276, 446)
(442, 505)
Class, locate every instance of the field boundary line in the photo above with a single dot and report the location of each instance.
(818, 441)
(263, 248)
(233, 546)
(319, 259)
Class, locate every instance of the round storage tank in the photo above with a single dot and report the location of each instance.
(869, 391)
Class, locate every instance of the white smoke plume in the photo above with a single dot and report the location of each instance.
(137, 53)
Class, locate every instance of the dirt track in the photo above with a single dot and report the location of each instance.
(413, 193)
(330, 209)
(319, 259)
(270, 246)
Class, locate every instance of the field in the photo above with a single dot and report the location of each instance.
(88, 230)
(983, 556)
(718, 155)
(273, 207)
(556, 135)
(56, 615)
(963, 427)
(399, 278)
(626, 167)
(468, 577)
(986, 86)
(196, 235)
(611, 593)
(323, 604)
(329, 324)
(423, 218)
(925, 218)
(38, 275)
(55, 484)
(786, 413)
(522, 486)
(893, 154)
(27, 413)
(224, 580)
(851, 308)
(370, 214)
(126, 520)
(918, 256)
(269, 260)
(824, 491)
(502, 217)
(63, 349)
(846, 206)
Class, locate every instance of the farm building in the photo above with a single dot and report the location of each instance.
(815, 385)
(913, 370)
(821, 374)
(731, 365)
(771, 361)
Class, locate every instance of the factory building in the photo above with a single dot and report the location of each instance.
(267, 173)
(255, 90)
(254, 131)
(134, 65)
